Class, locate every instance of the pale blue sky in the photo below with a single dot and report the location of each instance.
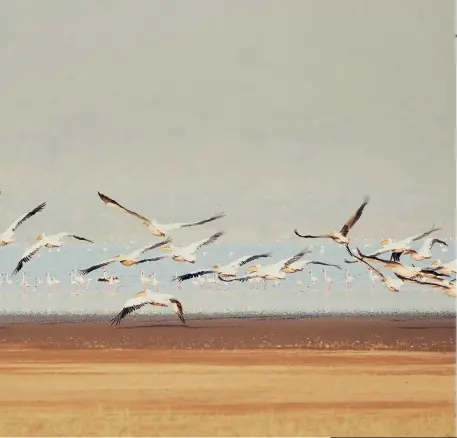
(281, 113)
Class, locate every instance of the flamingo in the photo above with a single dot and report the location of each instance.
(327, 279)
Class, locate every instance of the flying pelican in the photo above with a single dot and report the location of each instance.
(7, 236)
(187, 253)
(447, 285)
(424, 253)
(269, 272)
(148, 297)
(393, 284)
(298, 266)
(403, 271)
(56, 240)
(53, 241)
(128, 259)
(341, 236)
(446, 268)
(156, 228)
(226, 271)
(399, 247)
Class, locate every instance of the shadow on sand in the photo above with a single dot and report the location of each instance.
(184, 326)
(425, 327)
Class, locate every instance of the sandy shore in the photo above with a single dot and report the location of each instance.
(228, 377)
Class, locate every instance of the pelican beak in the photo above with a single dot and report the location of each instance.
(215, 267)
(384, 242)
(165, 248)
(436, 263)
(390, 265)
(40, 237)
(252, 268)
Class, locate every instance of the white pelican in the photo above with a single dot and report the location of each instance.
(128, 259)
(393, 284)
(448, 286)
(446, 268)
(424, 253)
(53, 241)
(341, 236)
(403, 271)
(399, 247)
(56, 240)
(229, 270)
(156, 228)
(7, 236)
(298, 266)
(269, 272)
(187, 253)
(148, 297)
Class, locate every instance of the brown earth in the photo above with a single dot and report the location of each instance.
(156, 378)
(353, 333)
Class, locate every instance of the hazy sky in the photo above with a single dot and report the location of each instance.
(281, 113)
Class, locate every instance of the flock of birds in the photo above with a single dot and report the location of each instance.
(438, 275)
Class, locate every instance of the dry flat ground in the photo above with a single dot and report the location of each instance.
(226, 393)
(305, 377)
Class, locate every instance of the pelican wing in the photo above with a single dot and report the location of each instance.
(95, 267)
(140, 251)
(81, 238)
(175, 226)
(354, 218)
(296, 257)
(114, 203)
(154, 259)
(308, 236)
(193, 247)
(372, 257)
(60, 236)
(370, 267)
(243, 260)
(242, 279)
(432, 242)
(12, 228)
(312, 262)
(130, 306)
(27, 256)
(177, 307)
(420, 236)
(190, 275)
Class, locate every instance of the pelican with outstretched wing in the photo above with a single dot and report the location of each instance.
(52, 241)
(157, 228)
(146, 297)
(134, 258)
(188, 253)
(341, 236)
(399, 247)
(227, 271)
(273, 272)
(7, 236)
(392, 283)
